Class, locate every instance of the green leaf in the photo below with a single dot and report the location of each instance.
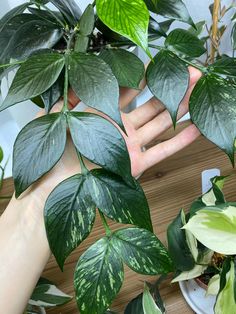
(51, 16)
(157, 30)
(69, 215)
(215, 228)
(127, 68)
(1, 154)
(184, 42)
(135, 306)
(175, 9)
(149, 305)
(48, 295)
(33, 158)
(81, 43)
(198, 29)
(99, 140)
(213, 285)
(86, 23)
(142, 251)
(177, 245)
(9, 15)
(226, 66)
(98, 277)
(212, 109)
(98, 89)
(30, 79)
(129, 19)
(69, 9)
(117, 200)
(168, 80)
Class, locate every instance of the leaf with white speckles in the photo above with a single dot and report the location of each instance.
(213, 111)
(69, 217)
(98, 277)
(142, 251)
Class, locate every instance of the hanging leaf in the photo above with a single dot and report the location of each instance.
(149, 305)
(69, 216)
(177, 245)
(33, 158)
(157, 30)
(142, 251)
(9, 15)
(212, 109)
(98, 89)
(100, 141)
(30, 79)
(135, 306)
(175, 9)
(168, 80)
(226, 66)
(127, 68)
(98, 277)
(69, 10)
(129, 19)
(184, 42)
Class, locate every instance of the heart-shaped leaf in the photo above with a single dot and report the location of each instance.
(100, 141)
(98, 277)
(212, 109)
(226, 66)
(175, 9)
(127, 68)
(30, 79)
(33, 158)
(69, 9)
(185, 42)
(98, 89)
(168, 80)
(142, 251)
(129, 19)
(69, 216)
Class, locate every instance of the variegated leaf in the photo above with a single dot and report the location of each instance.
(149, 305)
(213, 285)
(142, 251)
(69, 216)
(98, 277)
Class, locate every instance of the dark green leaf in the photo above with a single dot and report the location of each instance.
(198, 29)
(135, 306)
(117, 200)
(100, 141)
(51, 16)
(175, 9)
(69, 9)
(178, 247)
(33, 158)
(1, 154)
(157, 30)
(168, 80)
(142, 251)
(223, 274)
(69, 216)
(129, 19)
(212, 109)
(98, 89)
(30, 79)
(38, 101)
(9, 15)
(98, 277)
(108, 34)
(86, 23)
(225, 66)
(127, 68)
(185, 43)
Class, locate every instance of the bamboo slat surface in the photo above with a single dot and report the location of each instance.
(169, 186)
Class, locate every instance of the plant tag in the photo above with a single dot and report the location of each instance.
(207, 175)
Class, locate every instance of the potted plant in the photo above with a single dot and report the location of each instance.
(62, 49)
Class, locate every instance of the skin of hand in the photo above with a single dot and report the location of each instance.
(24, 249)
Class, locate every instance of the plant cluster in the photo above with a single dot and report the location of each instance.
(57, 49)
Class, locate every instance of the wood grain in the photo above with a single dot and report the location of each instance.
(169, 186)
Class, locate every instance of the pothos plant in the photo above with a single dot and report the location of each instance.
(58, 47)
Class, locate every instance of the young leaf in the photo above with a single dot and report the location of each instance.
(86, 23)
(69, 215)
(129, 19)
(99, 140)
(9, 15)
(212, 109)
(33, 158)
(184, 42)
(98, 89)
(213, 286)
(149, 305)
(226, 66)
(157, 30)
(174, 9)
(69, 10)
(127, 68)
(30, 79)
(168, 80)
(135, 306)
(178, 247)
(98, 277)
(215, 228)
(142, 251)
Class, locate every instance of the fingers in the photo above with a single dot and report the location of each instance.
(165, 149)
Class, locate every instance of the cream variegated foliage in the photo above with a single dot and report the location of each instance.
(213, 285)
(149, 305)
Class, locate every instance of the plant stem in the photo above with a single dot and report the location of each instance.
(8, 197)
(197, 66)
(66, 87)
(84, 169)
(214, 43)
(10, 64)
(105, 224)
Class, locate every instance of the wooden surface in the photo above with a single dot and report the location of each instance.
(169, 186)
